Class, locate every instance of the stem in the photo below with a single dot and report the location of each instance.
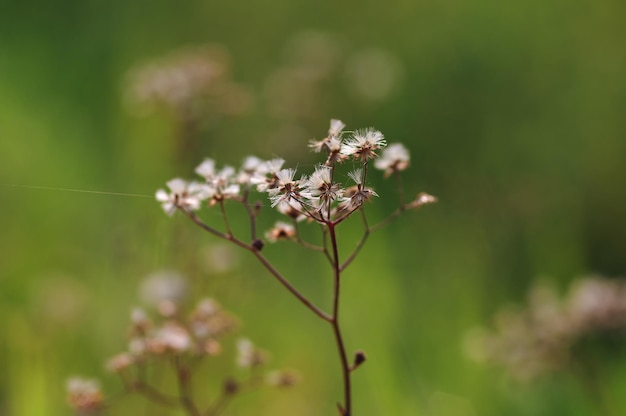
(153, 394)
(183, 376)
(286, 284)
(303, 299)
(588, 375)
(346, 410)
(225, 217)
(360, 244)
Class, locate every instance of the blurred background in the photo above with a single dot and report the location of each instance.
(514, 116)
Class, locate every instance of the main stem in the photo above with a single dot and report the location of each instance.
(346, 410)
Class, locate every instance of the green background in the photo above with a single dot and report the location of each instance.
(514, 113)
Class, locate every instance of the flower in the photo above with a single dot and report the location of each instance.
(248, 355)
(171, 337)
(249, 168)
(280, 231)
(357, 194)
(286, 188)
(220, 183)
(265, 177)
(321, 186)
(336, 126)
(184, 195)
(84, 394)
(363, 144)
(394, 159)
(120, 362)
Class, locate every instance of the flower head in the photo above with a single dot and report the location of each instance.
(84, 395)
(266, 175)
(320, 186)
(363, 144)
(184, 195)
(280, 231)
(286, 188)
(357, 194)
(394, 159)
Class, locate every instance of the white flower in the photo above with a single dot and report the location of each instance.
(336, 126)
(248, 355)
(163, 286)
(280, 231)
(265, 177)
(363, 144)
(206, 169)
(358, 194)
(170, 337)
(248, 169)
(83, 394)
(219, 183)
(394, 159)
(183, 194)
(320, 185)
(286, 188)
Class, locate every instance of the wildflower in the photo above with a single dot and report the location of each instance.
(394, 159)
(357, 194)
(249, 169)
(363, 144)
(219, 182)
(280, 231)
(171, 337)
(183, 195)
(248, 355)
(332, 143)
(286, 188)
(321, 186)
(282, 378)
(163, 286)
(84, 395)
(422, 199)
(336, 126)
(266, 176)
(292, 209)
(140, 321)
(120, 362)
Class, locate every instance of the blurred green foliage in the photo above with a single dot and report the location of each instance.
(513, 112)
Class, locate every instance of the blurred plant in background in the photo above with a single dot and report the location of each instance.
(559, 334)
(194, 86)
(183, 343)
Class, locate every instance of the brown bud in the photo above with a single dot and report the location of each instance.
(359, 358)
(258, 244)
(231, 386)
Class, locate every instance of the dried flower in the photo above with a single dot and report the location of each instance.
(394, 159)
(282, 378)
(320, 185)
(183, 195)
(362, 145)
(171, 337)
(248, 356)
(84, 394)
(280, 231)
(120, 362)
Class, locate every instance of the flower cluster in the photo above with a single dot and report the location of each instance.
(189, 79)
(541, 337)
(181, 341)
(318, 196)
(84, 395)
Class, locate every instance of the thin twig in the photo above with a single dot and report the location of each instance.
(346, 409)
(360, 244)
(303, 299)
